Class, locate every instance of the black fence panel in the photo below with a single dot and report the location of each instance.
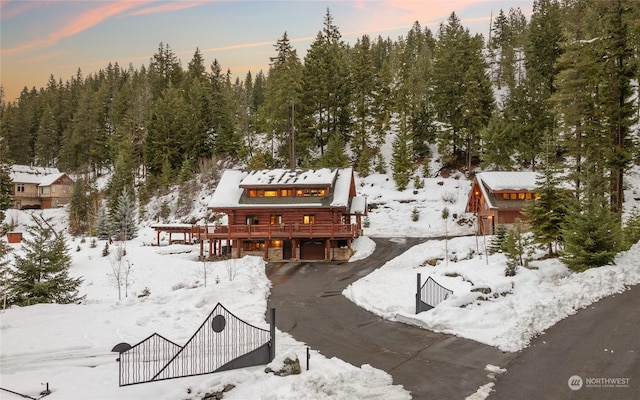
(222, 342)
(430, 294)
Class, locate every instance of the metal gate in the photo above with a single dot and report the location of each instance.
(222, 342)
(430, 294)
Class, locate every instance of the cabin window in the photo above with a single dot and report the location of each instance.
(270, 193)
(275, 219)
(252, 220)
(20, 187)
(312, 192)
(528, 196)
(45, 190)
(513, 196)
(286, 192)
(276, 243)
(521, 196)
(253, 245)
(309, 219)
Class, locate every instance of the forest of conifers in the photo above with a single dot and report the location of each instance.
(556, 89)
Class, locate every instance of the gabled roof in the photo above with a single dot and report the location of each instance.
(49, 180)
(230, 190)
(289, 178)
(491, 182)
(512, 180)
(31, 174)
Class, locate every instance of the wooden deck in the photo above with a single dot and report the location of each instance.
(272, 231)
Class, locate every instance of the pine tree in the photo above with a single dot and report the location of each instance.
(402, 164)
(592, 236)
(79, 209)
(515, 248)
(631, 229)
(6, 188)
(42, 272)
(592, 232)
(548, 211)
(103, 229)
(123, 219)
(6, 273)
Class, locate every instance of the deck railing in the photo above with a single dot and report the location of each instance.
(277, 231)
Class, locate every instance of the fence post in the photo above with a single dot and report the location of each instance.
(418, 295)
(308, 357)
(272, 348)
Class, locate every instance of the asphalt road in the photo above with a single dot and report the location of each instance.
(600, 341)
(311, 308)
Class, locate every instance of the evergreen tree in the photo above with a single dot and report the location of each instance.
(42, 272)
(497, 240)
(103, 229)
(592, 236)
(6, 273)
(402, 164)
(592, 232)
(515, 247)
(548, 211)
(334, 157)
(279, 112)
(79, 209)
(6, 189)
(631, 229)
(123, 219)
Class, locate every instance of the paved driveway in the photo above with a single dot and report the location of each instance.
(600, 341)
(310, 307)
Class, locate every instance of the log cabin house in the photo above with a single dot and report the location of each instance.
(499, 197)
(285, 215)
(39, 187)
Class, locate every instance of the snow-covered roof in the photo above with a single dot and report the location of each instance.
(288, 177)
(31, 174)
(511, 180)
(49, 180)
(230, 189)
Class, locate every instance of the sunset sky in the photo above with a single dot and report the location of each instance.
(55, 37)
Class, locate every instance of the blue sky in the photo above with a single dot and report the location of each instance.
(41, 38)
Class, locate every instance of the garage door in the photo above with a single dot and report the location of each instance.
(312, 250)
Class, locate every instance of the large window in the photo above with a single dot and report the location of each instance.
(309, 219)
(252, 220)
(313, 192)
(20, 187)
(275, 219)
(253, 245)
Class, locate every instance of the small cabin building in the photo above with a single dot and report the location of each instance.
(499, 198)
(39, 187)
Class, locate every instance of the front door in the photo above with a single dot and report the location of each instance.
(286, 250)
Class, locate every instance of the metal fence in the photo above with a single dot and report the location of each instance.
(221, 343)
(430, 294)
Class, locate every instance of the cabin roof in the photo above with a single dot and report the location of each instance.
(31, 174)
(512, 180)
(230, 190)
(49, 180)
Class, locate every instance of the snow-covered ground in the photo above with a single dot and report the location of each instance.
(69, 346)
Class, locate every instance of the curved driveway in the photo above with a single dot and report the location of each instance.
(310, 306)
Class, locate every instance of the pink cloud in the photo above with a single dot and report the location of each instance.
(168, 7)
(11, 9)
(79, 23)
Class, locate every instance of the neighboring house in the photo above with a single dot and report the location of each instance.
(39, 187)
(284, 214)
(499, 197)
